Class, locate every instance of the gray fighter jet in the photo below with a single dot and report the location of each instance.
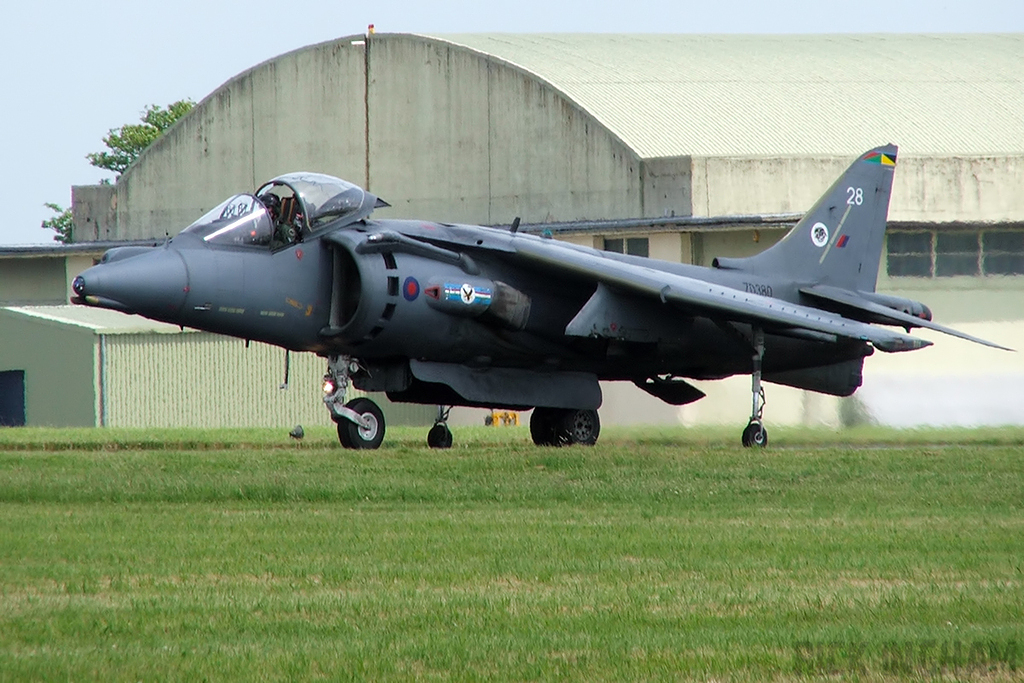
(460, 315)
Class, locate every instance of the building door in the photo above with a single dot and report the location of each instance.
(12, 398)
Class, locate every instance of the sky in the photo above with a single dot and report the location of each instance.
(70, 70)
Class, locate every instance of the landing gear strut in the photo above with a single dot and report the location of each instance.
(755, 434)
(360, 421)
(564, 427)
(439, 435)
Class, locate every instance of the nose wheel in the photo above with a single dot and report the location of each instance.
(755, 434)
(360, 421)
(368, 433)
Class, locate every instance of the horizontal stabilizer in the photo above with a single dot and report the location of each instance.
(884, 314)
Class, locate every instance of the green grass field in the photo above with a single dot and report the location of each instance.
(656, 555)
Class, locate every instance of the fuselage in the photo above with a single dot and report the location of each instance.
(337, 292)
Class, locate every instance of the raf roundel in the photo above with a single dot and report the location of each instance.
(411, 289)
(819, 234)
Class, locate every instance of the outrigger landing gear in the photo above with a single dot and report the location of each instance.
(755, 434)
(360, 421)
(439, 435)
(564, 427)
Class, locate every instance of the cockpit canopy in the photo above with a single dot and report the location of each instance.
(285, 210)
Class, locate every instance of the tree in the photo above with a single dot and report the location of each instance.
(127, 142)
(63, 224)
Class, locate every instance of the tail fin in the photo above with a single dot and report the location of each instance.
(839, 241)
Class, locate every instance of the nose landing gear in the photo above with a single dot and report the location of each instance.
(360, 421)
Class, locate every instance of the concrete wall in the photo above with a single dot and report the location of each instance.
(32, 280)
(456, 137)
(302, 111)
(440, 132)
(931, 189)
(40, 280)
(667, 186)
(60, 369)
(94, 212)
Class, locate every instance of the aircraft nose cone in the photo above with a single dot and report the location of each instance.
(153, 283)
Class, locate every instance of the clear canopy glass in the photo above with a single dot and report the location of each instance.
(241, 220)
(324, 198)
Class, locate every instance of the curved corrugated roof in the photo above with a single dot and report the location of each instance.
(743, 95)
(99, 320)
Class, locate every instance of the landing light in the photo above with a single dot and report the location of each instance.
(329, 387)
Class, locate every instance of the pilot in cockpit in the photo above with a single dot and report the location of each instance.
(273, 204)
(285, 217)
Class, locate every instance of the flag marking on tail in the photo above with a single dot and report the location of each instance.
(880, 158)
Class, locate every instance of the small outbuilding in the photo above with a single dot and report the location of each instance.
(69, 366)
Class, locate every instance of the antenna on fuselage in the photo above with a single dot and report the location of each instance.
(287, 368)
(515, 225)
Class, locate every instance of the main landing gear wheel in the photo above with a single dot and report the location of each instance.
(564, 427)
(581, 427)
(755, 435)
(543, 426)
(368, 435)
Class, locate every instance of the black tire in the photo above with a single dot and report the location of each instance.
(580, 427)
(755, 435)
(544, 426)
(352, 435)
(560, 427)
(440, 436)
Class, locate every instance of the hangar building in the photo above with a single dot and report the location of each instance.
(629, 142)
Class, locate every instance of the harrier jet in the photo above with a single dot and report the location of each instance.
(463, 315)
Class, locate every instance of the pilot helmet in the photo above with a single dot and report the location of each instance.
(272, 202)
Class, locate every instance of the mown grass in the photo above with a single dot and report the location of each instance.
(659, 555)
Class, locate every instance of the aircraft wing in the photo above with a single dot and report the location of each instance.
(708, 299)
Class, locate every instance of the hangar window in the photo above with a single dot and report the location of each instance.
(957, 253)
(910, 253)
(1003, 252)
(634, 246)
(943, 253)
